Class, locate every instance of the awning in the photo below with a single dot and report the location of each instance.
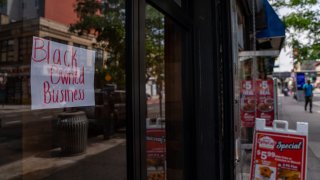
(273, 35)
(275, 28)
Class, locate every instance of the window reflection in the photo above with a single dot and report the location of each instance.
(256, 101)
(155, 88)
(164, 136)
(32, 142)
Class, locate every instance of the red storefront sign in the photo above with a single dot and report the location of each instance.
(156, 143)
(247, 109)
(279, 155)
(156, 153)
(265, 100)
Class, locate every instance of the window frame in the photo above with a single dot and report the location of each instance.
(208, 101)
(135, 87)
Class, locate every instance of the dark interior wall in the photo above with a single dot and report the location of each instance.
(214, 89)
(206, 83)
(226, 81)
(212, 84)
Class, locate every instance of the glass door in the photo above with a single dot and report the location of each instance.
(165, 122)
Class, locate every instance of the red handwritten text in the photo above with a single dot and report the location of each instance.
(61, 63)
(51, 95)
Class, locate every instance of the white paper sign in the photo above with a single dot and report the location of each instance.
(61, 75)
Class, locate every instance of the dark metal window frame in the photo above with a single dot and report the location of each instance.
(214, 89)
(135, 83)
(135, 13)
(209, 102)
(7, 49)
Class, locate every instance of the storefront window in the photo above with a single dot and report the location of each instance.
(164, 122)
(62, 100)
(258, 99)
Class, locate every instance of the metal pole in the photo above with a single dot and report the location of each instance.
(254, 60)
(254, 66)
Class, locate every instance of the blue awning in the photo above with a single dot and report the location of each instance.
(275, 27)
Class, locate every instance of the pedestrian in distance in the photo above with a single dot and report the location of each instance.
(308, 94)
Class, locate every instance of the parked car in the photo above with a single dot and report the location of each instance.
(119, 113)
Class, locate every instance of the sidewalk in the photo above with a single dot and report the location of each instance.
(293, 111)
(8, 109)
(103, 159)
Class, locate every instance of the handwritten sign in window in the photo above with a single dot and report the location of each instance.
(61, 75)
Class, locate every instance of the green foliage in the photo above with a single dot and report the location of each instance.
(302, 20)
(293, 3)
(154, 44)
(106, 20)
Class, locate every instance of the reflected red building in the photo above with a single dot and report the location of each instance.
(18, 26)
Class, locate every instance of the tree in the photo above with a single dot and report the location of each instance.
(154, 44)
(106, 20)
(302, 20)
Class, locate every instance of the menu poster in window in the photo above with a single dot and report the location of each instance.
(265, 100)
(61, 75)
(247, 110)
(156, 153)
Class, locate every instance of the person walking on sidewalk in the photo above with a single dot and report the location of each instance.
(308, 88)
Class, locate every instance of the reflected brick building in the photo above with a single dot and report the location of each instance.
(18, 10)
(18, 26)
(15, 49)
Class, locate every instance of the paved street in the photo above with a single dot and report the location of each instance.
(111, 153)
(29, 151)
(293, 111)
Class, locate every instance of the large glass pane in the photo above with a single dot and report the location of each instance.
(258, 99)
(164, 122)
(62, 89)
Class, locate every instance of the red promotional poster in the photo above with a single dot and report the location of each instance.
(247, 109)
(156, 153)
(278, 156)
(264, 100)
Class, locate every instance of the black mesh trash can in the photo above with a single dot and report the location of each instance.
(72, 130)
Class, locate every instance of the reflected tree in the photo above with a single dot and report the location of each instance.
(154, 44)
(106, 21)
(155, 50)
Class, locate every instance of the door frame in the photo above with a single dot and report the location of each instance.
(135, 84)
(206, 80)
